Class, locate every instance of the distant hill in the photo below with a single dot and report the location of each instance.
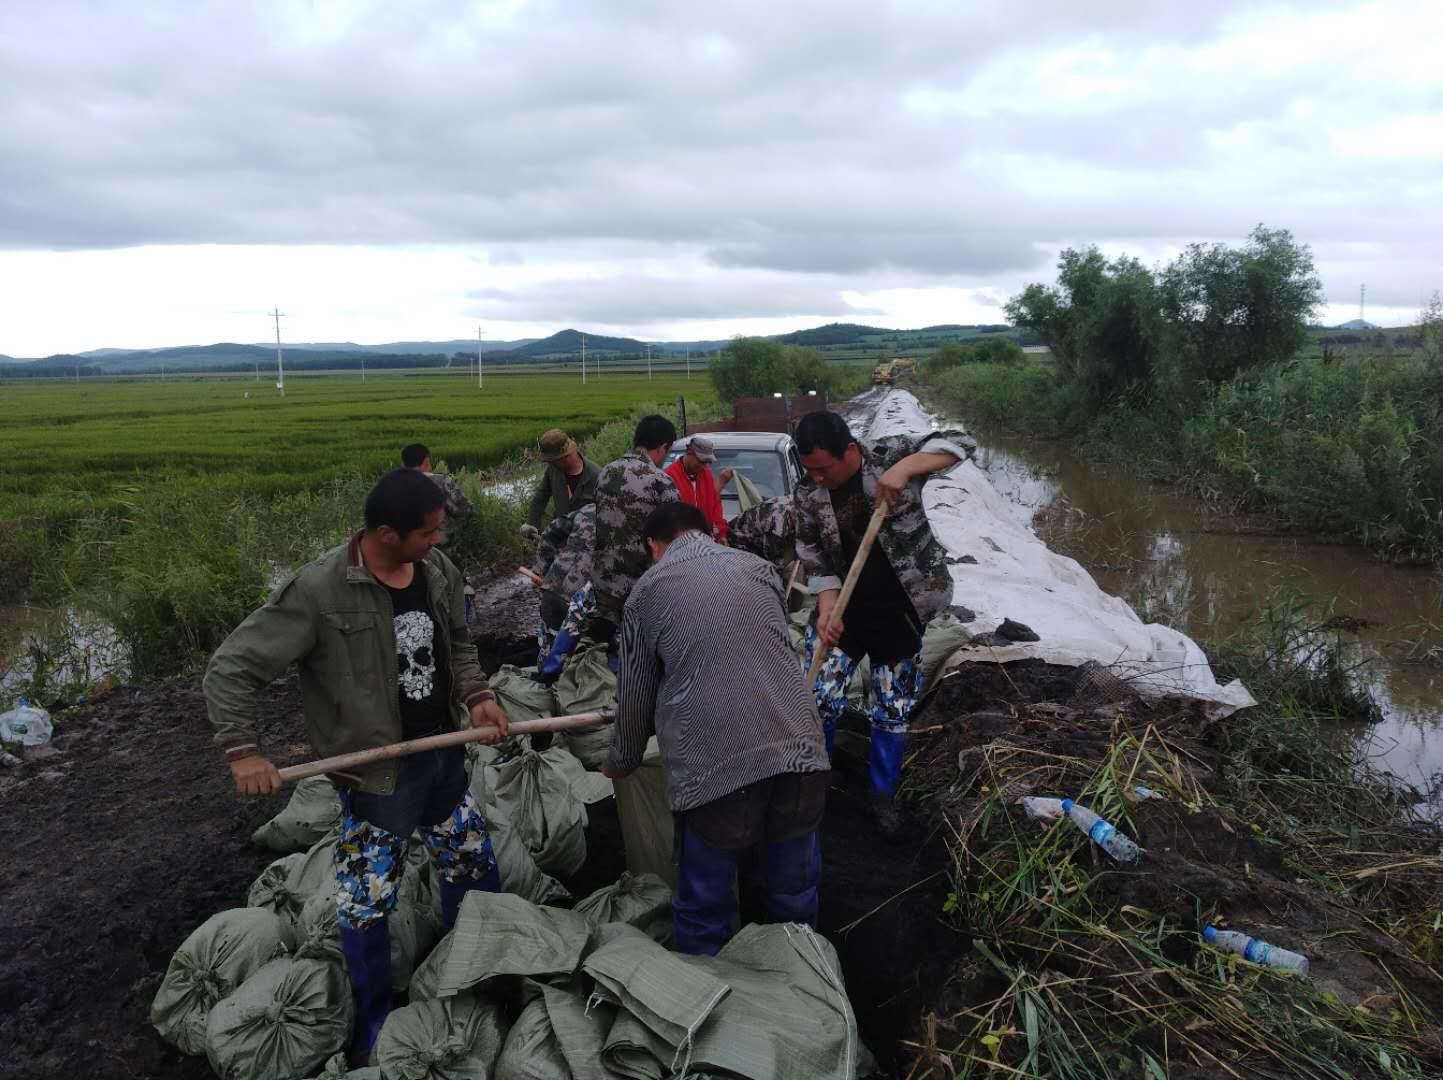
(568, 343)
(1356, 324)
(831, 334)
(836, 340)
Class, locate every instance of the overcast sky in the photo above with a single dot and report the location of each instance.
(396, 171)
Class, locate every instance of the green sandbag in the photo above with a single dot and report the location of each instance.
(269, 890)
(532, 1051)
(499, 934)
(586, 683)
(459, 1038)
(581, 1024)
(647, 823)
(944, 636)
(337, 1069)
(282, 1022)
(534, 796)
(286, 884)
(589, 747)
(313, 812)
(218, 956)
(639, 900)
(521, 697)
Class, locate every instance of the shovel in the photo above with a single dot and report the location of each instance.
(342, 762)
(820, 653)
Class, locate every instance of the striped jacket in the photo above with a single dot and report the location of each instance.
(706, 664)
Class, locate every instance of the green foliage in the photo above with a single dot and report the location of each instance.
(1350, 449)
(1430, 331)
(758, 367)
(953, 354)
(1100, 320)
(1229, 310)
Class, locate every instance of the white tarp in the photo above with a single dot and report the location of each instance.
(1017, 577)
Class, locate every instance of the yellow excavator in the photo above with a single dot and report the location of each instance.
(890, 372)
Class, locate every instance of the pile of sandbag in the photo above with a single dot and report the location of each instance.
(605, 1000)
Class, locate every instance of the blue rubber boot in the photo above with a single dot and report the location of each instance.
(453, 892)
(888, 749)
(368, 963)
(549, 670)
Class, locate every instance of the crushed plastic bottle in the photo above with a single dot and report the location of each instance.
(26, 725)
(1041, 808)
(1256, 951)
(1103, 833)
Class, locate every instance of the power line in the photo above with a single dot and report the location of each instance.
(276, 314)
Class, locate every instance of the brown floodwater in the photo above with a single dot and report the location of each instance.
(1180, 565)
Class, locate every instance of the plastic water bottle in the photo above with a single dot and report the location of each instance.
(26, 725)
(1258, 952)
(470, 598)
(1103, 833)
(1041, 808)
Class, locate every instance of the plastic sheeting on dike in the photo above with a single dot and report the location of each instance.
(1016, 576)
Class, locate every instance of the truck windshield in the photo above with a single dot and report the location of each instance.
(762, 467)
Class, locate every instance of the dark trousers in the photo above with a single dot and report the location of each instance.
(781, 815)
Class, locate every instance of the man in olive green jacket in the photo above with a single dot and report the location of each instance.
(377, 629)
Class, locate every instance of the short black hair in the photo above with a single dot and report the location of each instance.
(413, 455)
(823, 430)
(669, 519)
(402, 499)
(654, 431)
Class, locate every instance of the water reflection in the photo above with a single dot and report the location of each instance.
(55, 653)
(1178, 565)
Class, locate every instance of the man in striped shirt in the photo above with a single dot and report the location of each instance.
(707, 665)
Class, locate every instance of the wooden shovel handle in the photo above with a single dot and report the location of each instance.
(819, 654)
(342, 762)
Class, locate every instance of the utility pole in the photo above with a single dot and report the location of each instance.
(280, 363)
(648, 359)
(1362, 296)
(688, 362)
(363, 367)
(583, 359)
(480, 376)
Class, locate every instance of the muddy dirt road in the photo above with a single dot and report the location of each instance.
(131, 837)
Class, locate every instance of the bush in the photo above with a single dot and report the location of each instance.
(1100, 320)
(951, 354)
(759, 367)
(1229, 310)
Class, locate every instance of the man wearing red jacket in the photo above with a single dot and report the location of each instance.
(694, 480)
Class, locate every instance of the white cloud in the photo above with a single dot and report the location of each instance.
(745, 160)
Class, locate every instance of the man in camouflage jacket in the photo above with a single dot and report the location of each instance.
(627, 490)
(458, 507)
(769, 531)
(903, 583)
(563, 562)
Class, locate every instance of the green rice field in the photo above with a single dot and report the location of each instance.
(69, 445)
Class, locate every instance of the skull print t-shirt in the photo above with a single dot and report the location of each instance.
(423, 674)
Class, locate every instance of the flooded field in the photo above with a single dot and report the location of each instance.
(1177, 564)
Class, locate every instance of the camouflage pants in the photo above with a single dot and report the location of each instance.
(583, 603)
(895, 688)
(369, 860)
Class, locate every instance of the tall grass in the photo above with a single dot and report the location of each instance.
(1081, 968)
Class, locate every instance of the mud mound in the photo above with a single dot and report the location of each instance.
(1065, 937)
